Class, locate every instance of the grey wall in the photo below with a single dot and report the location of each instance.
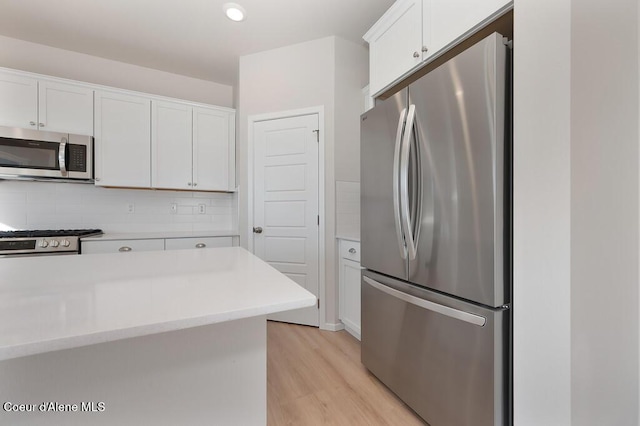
(604, 212)
(41, 59)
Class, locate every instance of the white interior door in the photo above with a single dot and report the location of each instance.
(285, 216)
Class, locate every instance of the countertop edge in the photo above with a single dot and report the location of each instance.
(72, 342)
(115, 236)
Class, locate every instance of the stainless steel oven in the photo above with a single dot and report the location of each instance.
(43, 242)
(37, 155)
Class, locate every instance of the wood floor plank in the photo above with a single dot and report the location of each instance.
(314, 377)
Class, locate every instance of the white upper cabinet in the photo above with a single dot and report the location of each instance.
(192, 147)
(18, 101)
(65, 108)
(31, 103)
(214, 149)
(141, 141)
(122, 140)
(453, 19)
(413, 32)
(395, 42)
(171, 151)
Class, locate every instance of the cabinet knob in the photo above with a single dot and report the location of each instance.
(195, 184)
(257, 230)
(40, 124)
(125, 248)
(189, 183)
(201, 245)
(425, 49)
(352, 250)
(416, 55)
(97, 179)
(32, 123)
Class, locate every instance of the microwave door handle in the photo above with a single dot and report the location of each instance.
(396, 185)
(404, 184)
(62, 156)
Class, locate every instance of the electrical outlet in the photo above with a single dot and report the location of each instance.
(202, 208)
(174, 208)
(131, 208)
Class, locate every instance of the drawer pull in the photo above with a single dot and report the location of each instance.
(124, 248)
(201, 245)
(352, 250)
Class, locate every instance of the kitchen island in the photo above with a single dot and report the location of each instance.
(173, 337)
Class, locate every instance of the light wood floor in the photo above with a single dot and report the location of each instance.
(315, 377)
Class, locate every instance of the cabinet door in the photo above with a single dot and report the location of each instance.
(171, 153)
(395, 43)
(122, 140)
(65, 108)
(192, 243)
(213, 149)
(18, 101)
(450, 20)
(121, 246)
(350, 296)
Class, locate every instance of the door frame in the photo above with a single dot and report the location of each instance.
(255, 118)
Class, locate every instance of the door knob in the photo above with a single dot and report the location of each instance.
(257, 230)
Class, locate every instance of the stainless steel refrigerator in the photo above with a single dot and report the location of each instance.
(436, 240)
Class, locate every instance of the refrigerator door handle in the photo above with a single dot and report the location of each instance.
(404, 184)
(396, 185)
(474, 319)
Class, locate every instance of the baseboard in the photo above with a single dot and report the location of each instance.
(332, 327)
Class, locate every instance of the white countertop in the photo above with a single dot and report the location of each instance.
(348, 238)
(110, 236)
(61, 302)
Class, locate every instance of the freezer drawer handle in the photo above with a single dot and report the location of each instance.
(435, 307)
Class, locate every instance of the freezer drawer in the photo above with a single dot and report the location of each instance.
(443, 357)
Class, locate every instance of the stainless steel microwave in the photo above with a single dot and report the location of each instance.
(37, 155)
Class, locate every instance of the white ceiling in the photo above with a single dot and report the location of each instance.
(189, 37)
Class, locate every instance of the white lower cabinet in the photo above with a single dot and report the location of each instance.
(153, 244)
(349, 282)
(189, 243)
(123, 246)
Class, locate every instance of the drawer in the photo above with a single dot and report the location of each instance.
(190, 243)
(121, 246)
(350, 250)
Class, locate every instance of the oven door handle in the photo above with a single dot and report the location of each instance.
(62, 156)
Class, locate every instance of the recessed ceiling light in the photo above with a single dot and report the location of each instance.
(234, 11)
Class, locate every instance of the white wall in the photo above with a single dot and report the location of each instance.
(604, 212)
(38, 58)
(49, 205)
(542, 194)
(352, 74)
(576, 213)
(292, 77)
(302, 76)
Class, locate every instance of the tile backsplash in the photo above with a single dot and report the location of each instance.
(348, 209)
(51, 205)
